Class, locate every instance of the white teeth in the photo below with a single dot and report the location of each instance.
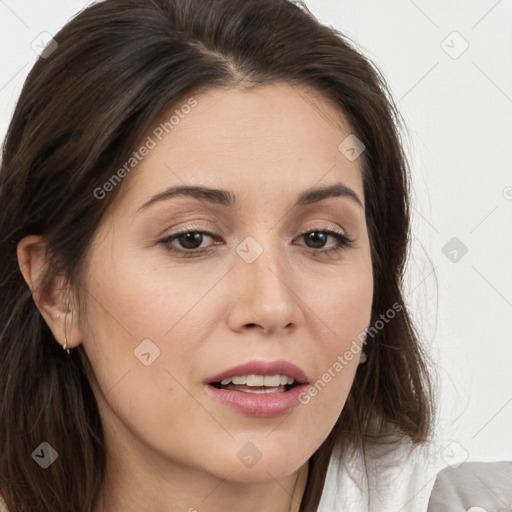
(254, 380)
(267, 390)
(272, 381)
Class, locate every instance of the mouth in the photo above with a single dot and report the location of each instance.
(260, 377)
(257, 384)
(258, 388)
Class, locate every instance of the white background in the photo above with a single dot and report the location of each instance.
(459, 141)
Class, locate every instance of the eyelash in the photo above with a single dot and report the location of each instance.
(343, 241)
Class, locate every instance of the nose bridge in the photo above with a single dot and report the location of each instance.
(264, 275)
(263, 260)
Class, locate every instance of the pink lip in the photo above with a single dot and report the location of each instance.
(280, 367)
(268, 405)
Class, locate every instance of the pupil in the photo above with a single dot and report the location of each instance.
(318, 238)
(191, 240)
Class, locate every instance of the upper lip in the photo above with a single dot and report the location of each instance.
(264, 368)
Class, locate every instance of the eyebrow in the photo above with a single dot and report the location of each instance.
(227, 199)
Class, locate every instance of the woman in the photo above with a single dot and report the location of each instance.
(205, 204)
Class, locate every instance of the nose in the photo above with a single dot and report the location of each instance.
(263, 295)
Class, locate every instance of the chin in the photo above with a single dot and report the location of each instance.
(251, 465)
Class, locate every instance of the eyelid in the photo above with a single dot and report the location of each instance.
(210, 227)
(322, 225)
(204, 226)
(325, 227)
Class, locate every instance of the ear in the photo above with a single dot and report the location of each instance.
(49, 293)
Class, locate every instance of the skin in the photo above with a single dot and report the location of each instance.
(170, 446)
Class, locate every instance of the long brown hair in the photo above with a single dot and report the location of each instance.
(83, 110)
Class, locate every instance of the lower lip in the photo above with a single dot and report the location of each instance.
(264, 405)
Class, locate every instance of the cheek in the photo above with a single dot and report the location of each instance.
(344, 310)
(346, 305)
(342, 300)
(133, 310)
(126, 307)
(131, 302)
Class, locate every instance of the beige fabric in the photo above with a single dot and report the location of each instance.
(487, 485)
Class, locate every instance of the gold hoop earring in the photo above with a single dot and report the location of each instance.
(65, 346)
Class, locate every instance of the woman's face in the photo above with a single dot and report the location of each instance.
(257, 280)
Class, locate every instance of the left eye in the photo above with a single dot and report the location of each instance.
(191, 240)
(320, 237)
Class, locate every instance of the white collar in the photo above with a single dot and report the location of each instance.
(400, 479)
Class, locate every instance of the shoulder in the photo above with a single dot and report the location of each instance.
(486, 486)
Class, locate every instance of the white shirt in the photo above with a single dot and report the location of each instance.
(400, 479)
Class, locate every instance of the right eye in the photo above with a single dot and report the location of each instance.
(190, 241)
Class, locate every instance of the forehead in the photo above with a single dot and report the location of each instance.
(251, 141)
